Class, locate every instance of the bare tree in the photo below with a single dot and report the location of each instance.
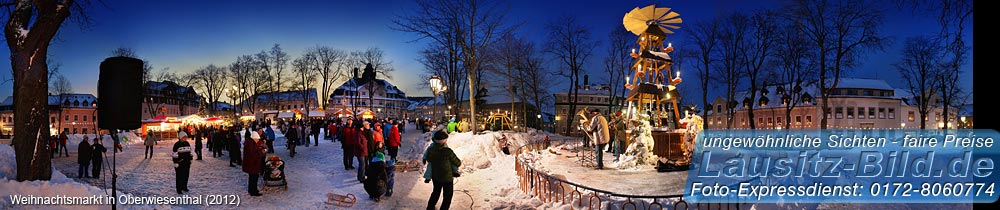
(794, 72)
(731, 41)
(211, 80)
(705, 36)
(570, 43)
(918, 70)
(535, 78)
(60, 87)
(304, 69)
(617, 64)
(375, 57)
(506, 57)
(471, 26)
(330, 65)
(841, 30)
(952, 16)
(757, 50)
(274, 62)
(439, 61)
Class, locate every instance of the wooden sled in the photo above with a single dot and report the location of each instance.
(412, 165)
(346, 201)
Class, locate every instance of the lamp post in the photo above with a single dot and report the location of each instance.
(437, 86)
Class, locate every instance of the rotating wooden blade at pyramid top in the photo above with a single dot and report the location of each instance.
(638, 19)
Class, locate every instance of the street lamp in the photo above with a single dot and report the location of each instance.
(437, 86)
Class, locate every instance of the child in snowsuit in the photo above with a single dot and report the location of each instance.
(376, 179)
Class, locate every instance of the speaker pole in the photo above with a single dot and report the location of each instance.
(114, 167)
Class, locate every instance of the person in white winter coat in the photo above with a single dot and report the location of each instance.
(600, 135)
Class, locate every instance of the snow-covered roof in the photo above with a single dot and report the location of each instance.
(73, 100)
(356, 84)
(863, 83)
(222, 105)
(168, 85)
(291, 95)
(416, 102)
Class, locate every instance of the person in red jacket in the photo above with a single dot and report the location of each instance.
(394, 141)
(331, 130)
(347, 143)
(253, 159)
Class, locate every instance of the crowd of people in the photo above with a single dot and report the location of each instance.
(373, 143)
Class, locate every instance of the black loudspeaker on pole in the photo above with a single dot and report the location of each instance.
(119, 106)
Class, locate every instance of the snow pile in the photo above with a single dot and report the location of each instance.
(59, 185)
(8, 164)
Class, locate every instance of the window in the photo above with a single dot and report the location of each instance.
(836, 92)
(892, 113)
(809, 119)
(67, 118)
(850, 112)
(760, 121)
(84, 130)
(85, 119)
(798, 120)
(770, 121)
(910, 116)
(881, 113)
(778, 121)
(718, 121)
(743, 121)
(861, 113)
(937, 116)
(839, 113)
(829, 114)
(869, 93)
(852, 92)
(74, 130)
(76, 117)
(53, 119)
(718, 108)
(871, 112)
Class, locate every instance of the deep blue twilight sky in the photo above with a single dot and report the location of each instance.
(185, 35)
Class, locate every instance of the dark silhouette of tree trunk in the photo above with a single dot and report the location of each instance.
(756, 51)
(30, 27)
(211, 80)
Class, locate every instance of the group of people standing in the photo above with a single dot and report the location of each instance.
(90, 156)
(369, 141)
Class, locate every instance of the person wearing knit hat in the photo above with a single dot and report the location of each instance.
(253, 158)
(182, 162)
(442, 164)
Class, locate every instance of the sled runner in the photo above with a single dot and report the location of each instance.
(412, 165)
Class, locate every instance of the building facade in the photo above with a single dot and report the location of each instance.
(854, 104)
(369, 93)
(269, 105)
(596, 98)
(76, 113)
(168, 99)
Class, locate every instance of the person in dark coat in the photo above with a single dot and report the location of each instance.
(218, 141)
(347, 143)
(292, 139)
(253, 153)
(269, 138)
(182, 162)
(361, 149)
(96, 157)
(83, 157)
(234, 148)
(442, 159)
(376, 179)
(62, 142)
(316, 126)
(198, 134)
